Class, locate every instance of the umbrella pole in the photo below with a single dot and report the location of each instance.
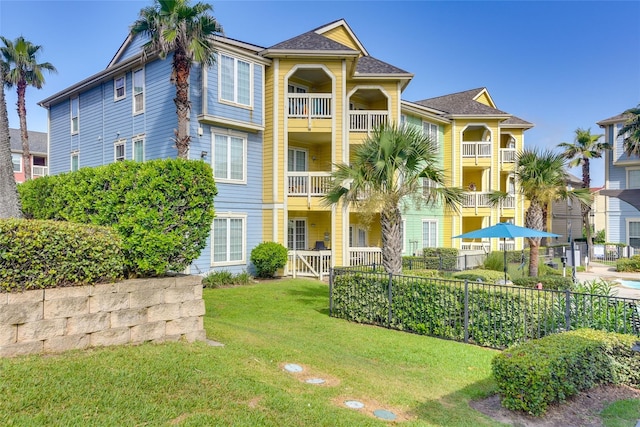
(504, 248)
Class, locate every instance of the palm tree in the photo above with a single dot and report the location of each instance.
(579, 153)
(631, 132)
(391, 164)
(542, 179)
(22, 69)
(9, 202)
(174, 26)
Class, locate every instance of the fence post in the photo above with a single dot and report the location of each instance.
(390, 298)
(331, 271)
(567, 310)
(440, 262)
(466, 311)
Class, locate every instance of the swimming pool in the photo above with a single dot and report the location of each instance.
(633, 284)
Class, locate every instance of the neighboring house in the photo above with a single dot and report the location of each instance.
(566, 215)
(127, 112)
(622, 186)
(598, 210)
(38, 150)
(272, 122)
(479, 144)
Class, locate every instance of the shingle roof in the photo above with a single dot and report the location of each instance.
(513, 120)
(310, 41)
(371, 65)
(461, 103)
(615, 119)
(37, 141)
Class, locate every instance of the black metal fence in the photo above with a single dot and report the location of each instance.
(479, 313)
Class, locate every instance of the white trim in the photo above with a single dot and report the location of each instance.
(77, 99)
(627, 185)
(124, 87)
(227, 216)
(116, 143)
(218, 120)
(305, 246)
(229, 133)
(234, 102)
(138, 138)
(135, 112)
(20, 162)
(627, 221)
(343, 23)
(430, 221)
(274, 144)
(76, 154)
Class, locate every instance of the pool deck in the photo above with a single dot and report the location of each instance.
(602, 271)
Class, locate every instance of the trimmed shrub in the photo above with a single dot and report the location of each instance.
(217, 279)
(487, 276)
(558, 283)
(425, 273)
(268, 257)
(45, 254)
(532, 375)
(629, 264)
(162, 209)
(440, 258)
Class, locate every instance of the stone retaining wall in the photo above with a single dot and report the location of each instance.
(132, 311)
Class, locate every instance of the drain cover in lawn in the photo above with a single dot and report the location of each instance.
(384, 414)
(315, 381)
(292, 367)
(353, 404)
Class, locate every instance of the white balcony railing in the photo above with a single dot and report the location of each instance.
(309, 105)
(475, 199)
(508, 245)
(365, 256)
(38, 171)
(309, 263)
(508, 155)
(308, 184)
(476, 246)
(476, 149)
(509, 202)
(366, 120)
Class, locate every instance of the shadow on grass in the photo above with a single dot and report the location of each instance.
(453, 409)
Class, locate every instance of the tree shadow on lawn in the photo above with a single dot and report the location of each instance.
(312, 295)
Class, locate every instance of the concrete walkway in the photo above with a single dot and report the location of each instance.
(607, 272)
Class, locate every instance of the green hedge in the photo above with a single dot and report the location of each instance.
(43, 254)
(162, 209)
(532, 375)
(629, 264)
(487, 276)
(440, 258)
(548, 282)
(268, 257)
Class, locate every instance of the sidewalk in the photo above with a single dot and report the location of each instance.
(602, 271)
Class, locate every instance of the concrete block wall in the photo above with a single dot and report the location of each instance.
(132, 311)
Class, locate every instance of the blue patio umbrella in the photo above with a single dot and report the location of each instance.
(504, 230)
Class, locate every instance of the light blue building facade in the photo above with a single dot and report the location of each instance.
(622, 186)
(126, 112)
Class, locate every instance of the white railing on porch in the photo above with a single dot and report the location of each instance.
(365, 256)
(38, 171)
(509, 202)
(309, 105)
(476, 149)
(475, 246)
(309, 264)
(508, 155)
(366, 120)
(308, 184)
(475, 199)
(509, 245)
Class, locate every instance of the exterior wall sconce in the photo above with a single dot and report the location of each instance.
(203, 154)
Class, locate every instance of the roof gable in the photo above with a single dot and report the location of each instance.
(464, 103)
(341, 32)
(484, 98)
(310, 41)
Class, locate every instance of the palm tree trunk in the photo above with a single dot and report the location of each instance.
(24, 132)
(586, 209)
(9, 202)
(390, 221)
(533, 218)
(183, 106)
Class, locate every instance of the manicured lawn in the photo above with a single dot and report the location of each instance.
(263, 326)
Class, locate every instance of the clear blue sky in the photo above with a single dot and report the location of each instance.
(559, 65)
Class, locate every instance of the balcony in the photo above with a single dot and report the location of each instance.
(308, 184)
(476, 199)
(509, 202)
(38, 171)
(365, 256)
(309, 106)
(366, 120)
(508, 155)
(476, 149)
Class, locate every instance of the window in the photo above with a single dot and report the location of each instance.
(75, 161)
(431, 130)
(138, 91)
(228, 239)
(119, 88)
(297, 234)
(357, 236)
(633, 178)
(427, 186)
(229, 158)
(119, 151)
(235, 80)
(138, 149)
(634, 232)
(297, 161)
(75, 115)
(16, 158)
(429, 233)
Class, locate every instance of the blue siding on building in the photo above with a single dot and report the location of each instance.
(134, 48)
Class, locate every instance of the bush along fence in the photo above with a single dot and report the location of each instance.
(489, 315)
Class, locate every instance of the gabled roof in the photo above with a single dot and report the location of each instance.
(620, 118)
(342, 23)
(310, 42)
(514, 121)
(370, 65)
(37, 141)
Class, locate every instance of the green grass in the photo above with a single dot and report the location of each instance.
(624, 413)
(262, 326)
